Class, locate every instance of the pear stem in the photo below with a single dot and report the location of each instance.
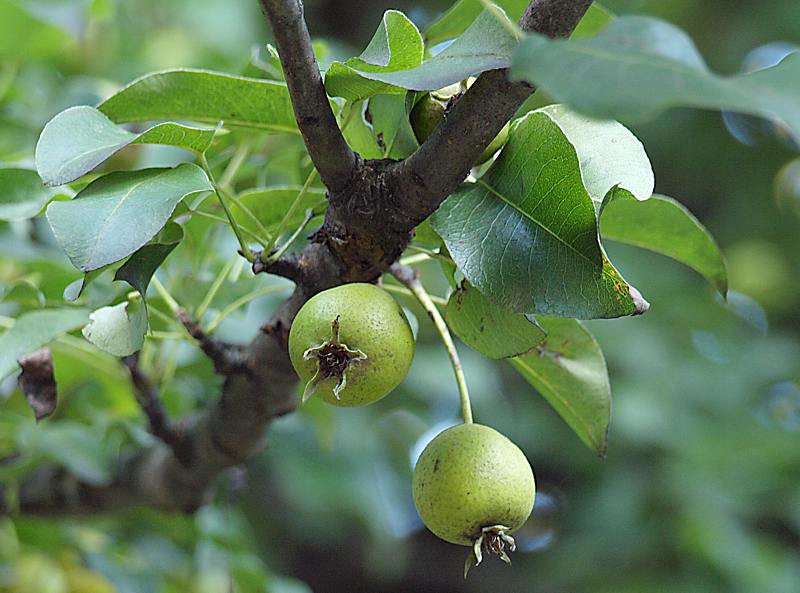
(410, 278)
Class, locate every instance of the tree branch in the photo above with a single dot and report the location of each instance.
(227, 359)
(554, 18)
(332, 156)
(225, 436)
(157, 419)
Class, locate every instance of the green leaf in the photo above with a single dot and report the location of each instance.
(79, 138)
(22, 194)
(80, 448)
(26, 37)
(639, 66)
(610, 156)
(569, 371)
(595, 20)
(526, 233)
(74, 290)
(486, 45)
(463, 13)
(396, 45)
(206, 97)
(117, 214)
(270, 204)
(23, 292)
(492, 331)
(787, 186)
(118, 330)
(35, 330)
(358, 132)
(663, 225)
(140, 267)
(391, 126)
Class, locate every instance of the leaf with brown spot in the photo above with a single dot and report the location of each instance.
(569, 371)
(491, 330)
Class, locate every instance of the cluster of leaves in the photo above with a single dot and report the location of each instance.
(520, 241)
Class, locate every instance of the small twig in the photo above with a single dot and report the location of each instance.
(226, 358)
(159, 423)
(287, 267)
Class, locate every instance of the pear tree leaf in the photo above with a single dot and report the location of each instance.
(119, 329)
(637, 67)
(464, 12)
(595, 20)
(610, 156)
(22, 194)
(665, 226)
(487, 44)
(79, 448)
(568, 369)
(24, 36)
(117, 214)
(35, 330)
(358, 131)
(80, 138)
(391, 126)
(75, 289)
(492, 331)
(525, 234)
(396, 45)
(205, 97)
(140, 267)
(25, 293)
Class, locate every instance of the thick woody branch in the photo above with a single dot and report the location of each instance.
(554, 18)
(444, 160)
(332, 156)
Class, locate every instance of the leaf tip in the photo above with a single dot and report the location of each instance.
(640, 304)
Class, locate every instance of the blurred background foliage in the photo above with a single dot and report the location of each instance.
(700, 490)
